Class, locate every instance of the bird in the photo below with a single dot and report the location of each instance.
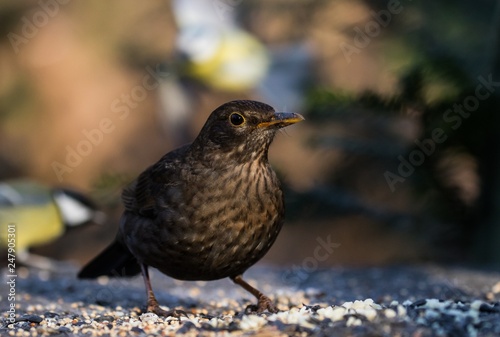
(39, 214)
(215, 50)
(205, 211)
(211, 52)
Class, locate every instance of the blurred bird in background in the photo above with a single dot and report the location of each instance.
(217, 51)
(214, 51)
(40, 215)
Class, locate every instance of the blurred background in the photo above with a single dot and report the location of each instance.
(397, 161)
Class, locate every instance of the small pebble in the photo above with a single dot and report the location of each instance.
(389, 313)
(104, 319)
(30, 318)
(149, 318)
(64, 329)
(496, 288)
(252, 322)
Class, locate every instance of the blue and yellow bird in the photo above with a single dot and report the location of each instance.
(38, 215)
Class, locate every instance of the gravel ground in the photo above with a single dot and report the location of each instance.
(395, 301)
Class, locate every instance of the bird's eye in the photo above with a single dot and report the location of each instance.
(236, 119)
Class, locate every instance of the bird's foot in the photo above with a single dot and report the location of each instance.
(264, 303)
(154, 307)
(167, 313)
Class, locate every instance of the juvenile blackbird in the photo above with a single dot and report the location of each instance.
(205, 211)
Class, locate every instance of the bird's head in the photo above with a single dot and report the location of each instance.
(243, 129)
(75, 208)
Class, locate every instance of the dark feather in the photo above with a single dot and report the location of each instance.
(116, 260)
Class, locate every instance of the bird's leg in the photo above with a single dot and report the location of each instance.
(152, 305)
(263, 302)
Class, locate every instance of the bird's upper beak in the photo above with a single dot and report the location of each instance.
(282, 119)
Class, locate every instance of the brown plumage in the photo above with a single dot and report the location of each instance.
(207, 210)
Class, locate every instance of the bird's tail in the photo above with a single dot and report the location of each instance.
(115, 261)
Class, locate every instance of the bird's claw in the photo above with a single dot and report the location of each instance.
(264, 303)
(166, 313)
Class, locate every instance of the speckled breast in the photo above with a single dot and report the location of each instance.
(219, 229)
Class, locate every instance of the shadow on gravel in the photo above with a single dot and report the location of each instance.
(399, 283)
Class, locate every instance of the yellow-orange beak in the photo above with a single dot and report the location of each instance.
(282, 119)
